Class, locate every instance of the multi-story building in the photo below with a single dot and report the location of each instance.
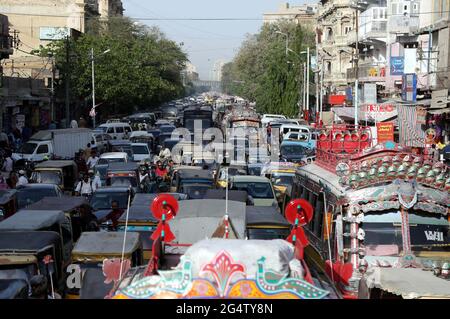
(5, 39)
(434, 56)
(372, 37)
(36, 23)
(335, 21)
(403, 43)
(304, 14)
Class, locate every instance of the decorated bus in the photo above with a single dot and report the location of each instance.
(381, 221)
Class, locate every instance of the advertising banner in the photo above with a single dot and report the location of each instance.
(397, 65)
(385, 132)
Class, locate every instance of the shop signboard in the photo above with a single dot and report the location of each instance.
(385, 132)
(397, 65)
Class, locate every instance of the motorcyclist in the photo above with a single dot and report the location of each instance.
(165, 154)
(22, 179)
(85, 187)
(144, 178)
(161, 171)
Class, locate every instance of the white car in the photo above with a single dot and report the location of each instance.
(267, 118)
(140, 152)
(115, 157)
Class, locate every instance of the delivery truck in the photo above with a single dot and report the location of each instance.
(54, 144)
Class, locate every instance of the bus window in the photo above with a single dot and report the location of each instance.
(318, 216)
(312, 200)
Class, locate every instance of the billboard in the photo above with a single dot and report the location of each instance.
(53, 33)
(397, 65)
(385, 132)
(409, 87)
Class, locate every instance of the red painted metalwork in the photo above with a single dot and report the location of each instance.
(339, 143)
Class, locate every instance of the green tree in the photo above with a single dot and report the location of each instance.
(263, 72)
(141, 71)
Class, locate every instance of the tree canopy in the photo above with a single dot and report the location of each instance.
(141, 70)
(266, 73)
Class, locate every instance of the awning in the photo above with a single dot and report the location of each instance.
(439, 111)
(410, 283)
(348, 114)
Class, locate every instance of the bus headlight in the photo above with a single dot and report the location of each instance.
(2, 213)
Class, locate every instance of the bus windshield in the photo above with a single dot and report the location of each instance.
(383, 234)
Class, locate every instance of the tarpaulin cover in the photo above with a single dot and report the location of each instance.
(410, 283)
(246, 252)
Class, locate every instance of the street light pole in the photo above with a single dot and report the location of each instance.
(93, 83)
(304, 86)
(357, 66)
(93, 86)
(307, 80)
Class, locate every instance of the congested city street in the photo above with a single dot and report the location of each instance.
(131, 178)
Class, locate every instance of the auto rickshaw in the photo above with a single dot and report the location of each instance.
(71, 206)
(48, 220)
(61, 173)
(8, 203)
(123, 175)
(266, 223)
(92, 249)
(141, 220)
(23, 256)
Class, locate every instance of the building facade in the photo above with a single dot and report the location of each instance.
(336, 20)
(27, 89)
(304, 14)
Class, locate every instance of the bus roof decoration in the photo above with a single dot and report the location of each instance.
(375, 165)
(164, 208)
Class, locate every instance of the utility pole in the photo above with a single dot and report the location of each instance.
(93, 82)
(357, 66)
(316, 79)
(307, 80)
(304, 86)
(321, 93)
(52, 109)
(67, 82)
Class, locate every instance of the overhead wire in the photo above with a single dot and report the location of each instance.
(208, 19)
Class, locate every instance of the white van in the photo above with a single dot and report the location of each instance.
(286, 128)
(117, 130)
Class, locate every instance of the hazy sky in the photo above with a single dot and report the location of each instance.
(205, 41)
